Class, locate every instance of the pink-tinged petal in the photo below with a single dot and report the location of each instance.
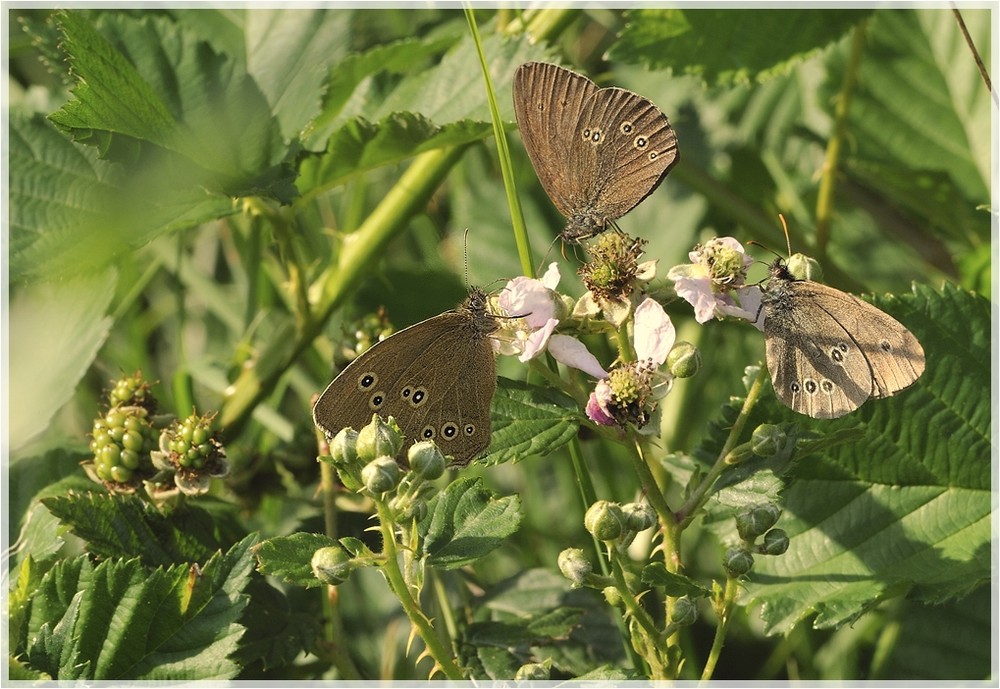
(528, 299)
(597, 410)
(749, 307)
(731, 243)
(536, 342)
(570, 351)
(654, 333)
(552, 276)
(698, 293)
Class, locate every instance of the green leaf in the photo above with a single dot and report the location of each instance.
(906, 507)
(56, 331)
(146, 89)
(729, 46)
(289, 557)
(124, 526)
(72, 214)
(656, 574)
(120, 620)
(529, 420)
(465, 522)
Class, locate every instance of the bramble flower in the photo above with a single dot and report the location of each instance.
(611, 276)
(629, 393)
(713, 283)
(535, 309)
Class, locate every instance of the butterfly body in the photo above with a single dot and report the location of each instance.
(597, 152)
(436, 378)
(828, 352)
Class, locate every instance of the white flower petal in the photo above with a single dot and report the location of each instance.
(536, 342)
(586, 306)
(528, 299)
(570, 351)
(654, 332)
(552, 276)
(698, 293)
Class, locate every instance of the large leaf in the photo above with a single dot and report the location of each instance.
(465, 522)
(150, 94)
(56, 331)
(729, 45)
(125, 527)
(120, 620)
(289, 557)
(529, 420)
(908, 505)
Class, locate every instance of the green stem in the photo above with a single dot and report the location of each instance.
(503, 154)
(689, 510)
(360, 250)
(425, 630)
(724, 609)
(831, 163)
(654, 635)
(651, 488)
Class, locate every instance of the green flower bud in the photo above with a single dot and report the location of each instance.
(754, 520)
(639, 516)
(613, 596)
(575, 566)
(332, 565)
(739, 454)
(380, 475)
(379, 439)
(737, 561)
(683, 612)
(426, 459)
(775, 542)
(767, 439)
(532, 671)
(344, 447)
(803, 267)
(684, 360)
(605, 520)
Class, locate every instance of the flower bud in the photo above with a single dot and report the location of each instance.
(639, 516)
(332, 565)
(426, 460)
(532, 671)
(739, 454)
(380, 475)
(775, 542)
(605, 520)
(379, 438)
(574, 565)
(767, 440)
(613, 596)
(803, 267)
(737, 561)
(683, 612)
(754, 520)
(684, 360)
(344, 447)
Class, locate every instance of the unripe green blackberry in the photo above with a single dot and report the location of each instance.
(121, 441)
(190, 450)
(132, 391)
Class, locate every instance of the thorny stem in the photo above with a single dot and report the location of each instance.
(975, 53)
(831, 163)
(390, 568)
(724, 609)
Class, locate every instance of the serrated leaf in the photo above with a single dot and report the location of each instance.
(120, 620)
(465, 522)
(56, 331)
(908, 506)
(147, 88)
(656, 574)
(289, 557)
(729, 46)
(529, 420)
(124, 526)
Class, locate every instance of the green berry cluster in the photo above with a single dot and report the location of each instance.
(191, 443)
(121, 442)
(132, 391)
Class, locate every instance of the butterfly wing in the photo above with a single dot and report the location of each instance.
(828, 351)
(547, 100)
(436, 378)
(634, 151)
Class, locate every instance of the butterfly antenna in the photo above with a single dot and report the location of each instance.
(548, 251)
(784, 227)
(465, 241)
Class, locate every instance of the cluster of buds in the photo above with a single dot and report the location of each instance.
(752, 522)
(191, 453)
